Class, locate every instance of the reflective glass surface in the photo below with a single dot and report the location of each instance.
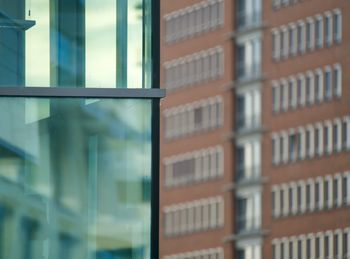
(75, 43)
(75, 178)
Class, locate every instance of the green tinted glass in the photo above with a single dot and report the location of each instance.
(75, 178)
(74, 43)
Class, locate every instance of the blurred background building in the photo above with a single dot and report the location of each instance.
(255, 133)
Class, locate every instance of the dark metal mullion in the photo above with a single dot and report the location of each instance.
(52, 92)
(155, 81)
(155, 179)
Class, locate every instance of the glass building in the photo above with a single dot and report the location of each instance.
(79, 127)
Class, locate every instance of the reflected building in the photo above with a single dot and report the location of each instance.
(77, 152)
(255, 130)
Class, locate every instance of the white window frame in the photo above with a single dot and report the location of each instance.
(320, 94)
(337, 15)
(276, 156)
(321, 203)
(311, 237)
(328, 69)
(191, 20)
(302, 238)
(276, 4)
(221, 209)
(302, 100)
(183, 218)
(197, 166)
(276, 101)
(167, 27)
(293, 50)
(347, 233)
(301, 143)
(293, 99)
(320, 236)
(338, 181)
(320, 150)
(285, 151)
(276, 206)
(276, 243)
(213, 208)
(311, 184)
(285, 47)
(311, 97)
(329, 202)
(168, 224)
(294, 241)
(329, 37)
(293, 157)
(221, 159)
(294, 188)
(346, 129)
(337, 88)
(320, 40)
(302, 46)
(219, 110)
(221, 12)
(311, 152)
(191, 217)
(302, 205)
(329, 149)
(205, 214)
(285, 244)
(176, 220)
(198, 215)
(276, 38)
(214, 14)
(285, 93)
(339, 245)
(346, 201)
(311, 44)
(338, 146)
(330, 243)
(285, 194)
(168, 172)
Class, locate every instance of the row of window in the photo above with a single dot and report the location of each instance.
(192, 118)
(313, 140)
(194, 20)
(307, 89)
(331, 191)
(213, 253)
(194, 69)
(307, 35)
(276, 4)
(329, 244)
(200, 165)
(189, 217)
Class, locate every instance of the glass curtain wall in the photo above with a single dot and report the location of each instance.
(76, 169)
(75, 178)
(75, 43)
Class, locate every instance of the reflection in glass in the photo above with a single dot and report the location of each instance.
(74, 43)
(75, 178)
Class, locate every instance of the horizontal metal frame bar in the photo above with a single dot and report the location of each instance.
(80, 92)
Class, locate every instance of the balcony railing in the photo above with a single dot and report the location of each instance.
(247, 20)
(245, 224)
(248, 174)
(247, 123)
(248, 72)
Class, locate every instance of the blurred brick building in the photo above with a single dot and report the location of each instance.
(255, 129)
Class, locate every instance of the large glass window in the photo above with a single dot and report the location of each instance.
(75, 43)
(75, 174)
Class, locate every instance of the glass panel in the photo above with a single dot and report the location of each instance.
(74, 43)
(75, 178)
